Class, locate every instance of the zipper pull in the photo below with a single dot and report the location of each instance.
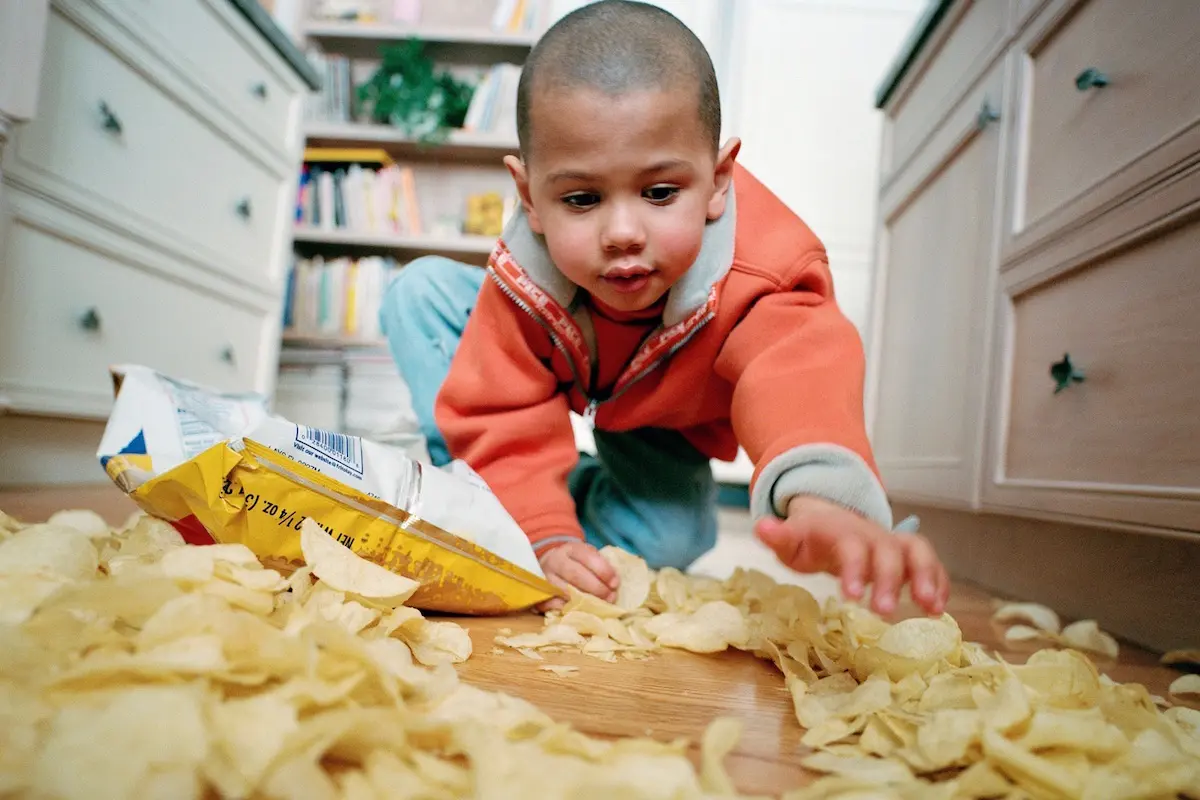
(589, 414)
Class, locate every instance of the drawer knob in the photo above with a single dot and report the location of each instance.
(112, 122)
(228, 355)
(243, 208)
(1065, 373)
(259, 90)
(90, 321)
(987, 115)
(1090, 78)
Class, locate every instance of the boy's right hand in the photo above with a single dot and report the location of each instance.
(580, 565)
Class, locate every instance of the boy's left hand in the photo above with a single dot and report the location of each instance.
(820, 536)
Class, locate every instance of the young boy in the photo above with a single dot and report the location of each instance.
(653, 285)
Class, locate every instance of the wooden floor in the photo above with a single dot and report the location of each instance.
(675, 694)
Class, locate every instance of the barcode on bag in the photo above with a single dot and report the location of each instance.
(343, 449)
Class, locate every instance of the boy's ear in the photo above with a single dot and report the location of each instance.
(520, 176)
(723, 178)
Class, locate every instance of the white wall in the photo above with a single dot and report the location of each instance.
(804, 77)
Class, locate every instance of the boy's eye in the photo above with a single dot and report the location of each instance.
(581, 199)
(660, 194)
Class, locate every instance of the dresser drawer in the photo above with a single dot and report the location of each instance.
(1129, 324)
(973, 38)
(213, 51)
(107, 139)
(1106, 83)
(68, 312)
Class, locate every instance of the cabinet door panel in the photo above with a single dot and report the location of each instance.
(930, 337)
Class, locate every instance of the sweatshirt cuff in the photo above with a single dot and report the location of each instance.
(828, 471)
(551, 529)
(548, 543)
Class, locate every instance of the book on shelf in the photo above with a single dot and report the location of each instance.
(344, 193)
(517, 16)
(337, 298)
(493, 106)
(361, 190)
(334, 101)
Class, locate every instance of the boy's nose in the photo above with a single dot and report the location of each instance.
(623, 231)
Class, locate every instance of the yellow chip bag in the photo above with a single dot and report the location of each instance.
(221, 469)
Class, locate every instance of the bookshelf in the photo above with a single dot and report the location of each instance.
(333, 342)
(482, 45)
(480, 145)
(333, 357)
(462, 245)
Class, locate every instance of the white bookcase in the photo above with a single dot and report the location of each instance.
(459, 36)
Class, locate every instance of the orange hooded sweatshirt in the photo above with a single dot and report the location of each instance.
(752, 349)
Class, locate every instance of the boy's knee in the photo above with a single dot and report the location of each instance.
(414, 288)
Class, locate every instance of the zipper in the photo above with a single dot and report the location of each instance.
(655, 364)
(594, 403)
(521, 304)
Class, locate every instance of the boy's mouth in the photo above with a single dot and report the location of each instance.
(627, 280)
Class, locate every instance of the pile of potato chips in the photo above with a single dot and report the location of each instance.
(908, 709)
(133, 665)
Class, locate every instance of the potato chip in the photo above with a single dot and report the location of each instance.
(1185, 685)
(1026, 769)
(248, 733)
(1181, 658)
(634, 576)
(871, 771)
(21, 595)
(1086, 635)
(1037, 615)
(113, 747)
(581, 601)
(1022, 633)
(342, 569)
(711, 628)
(561, 670)
(434, 643)
(922, 638)
(947, 737)
(83, 520)
(49, 550)
(9, 525)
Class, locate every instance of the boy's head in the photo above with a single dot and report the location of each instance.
(621, 167)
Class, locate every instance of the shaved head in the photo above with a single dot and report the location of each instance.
(616, 47)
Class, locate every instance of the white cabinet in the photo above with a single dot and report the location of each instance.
(150, 153)
(1034, 337)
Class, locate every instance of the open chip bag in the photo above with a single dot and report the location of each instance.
(221, 468)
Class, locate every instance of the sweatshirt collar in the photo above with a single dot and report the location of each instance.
(690, 293)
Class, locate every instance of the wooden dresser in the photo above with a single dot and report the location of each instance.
(148, 193)
(1035, 342)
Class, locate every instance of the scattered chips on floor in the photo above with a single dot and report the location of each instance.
(1031, 622)
(1185, 685)
(1086, 635)
(561, 670)
(134, 665)
(1039, 616)
(1182, 658)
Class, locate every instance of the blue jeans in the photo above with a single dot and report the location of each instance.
(648, 491)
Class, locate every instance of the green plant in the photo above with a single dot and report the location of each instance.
(409, 93)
